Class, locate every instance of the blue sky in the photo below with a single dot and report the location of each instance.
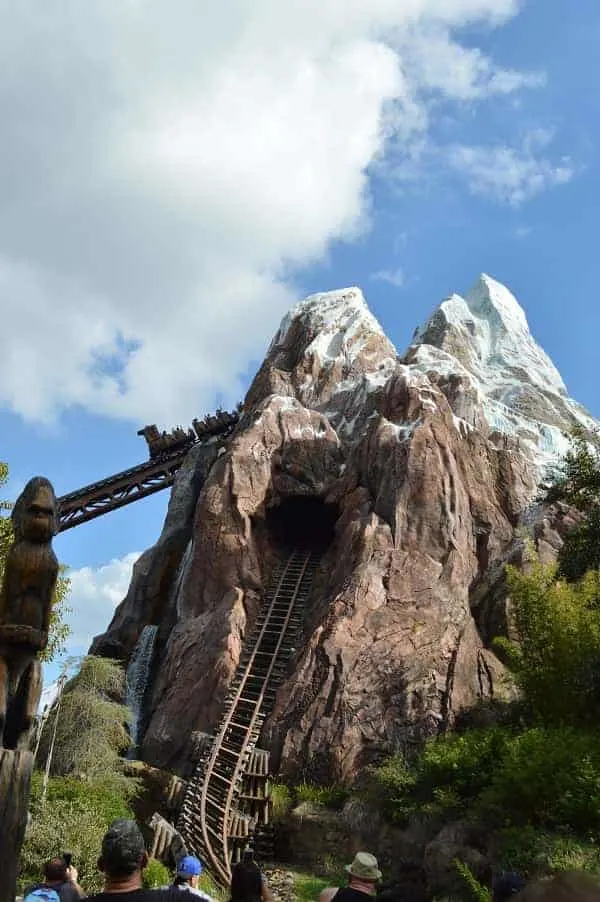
(172, 182)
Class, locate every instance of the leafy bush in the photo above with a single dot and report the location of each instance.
(155, 874)
(548, 777)
(557, 659)
(75, 816)
(579, 485)
(447, 777)
(391, 788)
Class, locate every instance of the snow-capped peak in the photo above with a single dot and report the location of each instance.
(490, 299)
(339, 355)
(487, 331)
(486, 338)
(337, 319)
(339, 360)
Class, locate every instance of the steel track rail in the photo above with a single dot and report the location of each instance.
(130, 485)
(212, 817)
(238, 767)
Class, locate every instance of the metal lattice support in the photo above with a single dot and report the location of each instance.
(123, 488)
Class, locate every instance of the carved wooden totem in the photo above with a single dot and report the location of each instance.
(25, 604)
(30, 576)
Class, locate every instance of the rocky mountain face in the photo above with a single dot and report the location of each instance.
(427, 465)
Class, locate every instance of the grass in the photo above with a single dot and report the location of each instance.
(333, 796)
(308, 886)
(211, 889)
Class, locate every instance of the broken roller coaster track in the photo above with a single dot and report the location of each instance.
(210, 821)
(123, 488)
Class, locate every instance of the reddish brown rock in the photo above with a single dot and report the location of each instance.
(429, 498)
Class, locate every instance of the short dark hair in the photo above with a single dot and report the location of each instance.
(123, 848)
(55, 870)
(246, 881)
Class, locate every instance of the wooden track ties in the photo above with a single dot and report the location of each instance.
(210, 821)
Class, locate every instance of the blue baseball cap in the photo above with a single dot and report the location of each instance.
(189, 866)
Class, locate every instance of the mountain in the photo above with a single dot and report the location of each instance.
(412, 477)
(485, 337)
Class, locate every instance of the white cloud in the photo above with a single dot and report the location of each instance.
(459, 72)
(509, 175)
(165, 166)
(395, 277)
(95, 593)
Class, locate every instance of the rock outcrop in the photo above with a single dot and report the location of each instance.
(428, 464)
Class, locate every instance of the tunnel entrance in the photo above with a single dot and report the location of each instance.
(301, 522)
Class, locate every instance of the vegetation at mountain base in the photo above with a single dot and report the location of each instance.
(531, 785)
(59, 629)
(578, 484)
(332, 796)
(500, 777)
(89, 726)
(74, 815)
(556, 661)
(88, 788)
(281, 800)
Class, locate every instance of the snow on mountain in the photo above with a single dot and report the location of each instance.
(340, 321)
(340, 361)
(499, 349)
(342, 358)
(485, 337)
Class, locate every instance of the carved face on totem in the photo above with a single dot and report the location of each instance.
(35, 514)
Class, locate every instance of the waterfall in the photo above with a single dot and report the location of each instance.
(136, 680)
(181, 574)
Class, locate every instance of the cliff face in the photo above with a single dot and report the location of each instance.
(429, 464)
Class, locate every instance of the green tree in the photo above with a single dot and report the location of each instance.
(86, 730)
(578, 484)
(59, 629)
(74, 816)
(556, 658)
(88, 723)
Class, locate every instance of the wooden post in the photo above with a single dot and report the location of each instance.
(15, 778)
(30, 574)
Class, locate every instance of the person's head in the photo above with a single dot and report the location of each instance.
(246, 879)
(189, 870)
(123, 855)
(505, 885)
(364, 869)
(55, 871)
(570, 886)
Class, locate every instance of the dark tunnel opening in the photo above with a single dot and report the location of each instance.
(301, 522)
